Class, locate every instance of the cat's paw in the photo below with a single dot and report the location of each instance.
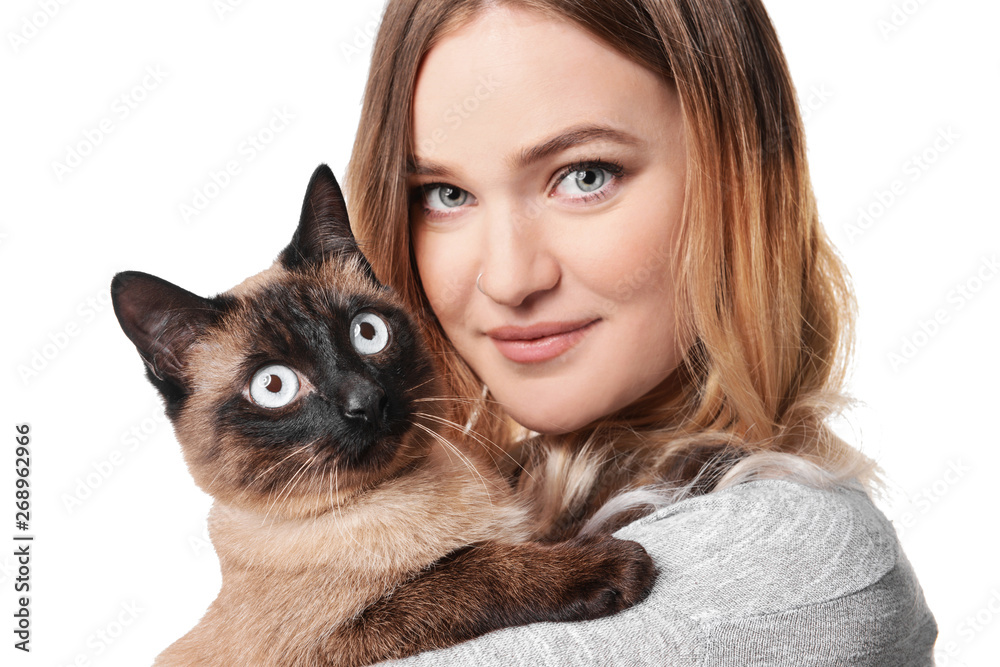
(616, 574)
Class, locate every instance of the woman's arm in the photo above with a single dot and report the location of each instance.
(765, 573)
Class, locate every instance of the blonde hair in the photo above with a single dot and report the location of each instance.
(761, 290)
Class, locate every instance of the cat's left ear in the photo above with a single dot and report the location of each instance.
(162, 320)
(324, 229)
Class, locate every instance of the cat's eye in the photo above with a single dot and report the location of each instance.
(274, 386)
(369, 333)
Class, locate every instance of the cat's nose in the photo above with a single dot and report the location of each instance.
(363, 402)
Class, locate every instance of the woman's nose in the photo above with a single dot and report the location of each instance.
(518, 261)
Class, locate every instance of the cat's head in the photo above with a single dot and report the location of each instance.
(296, 388)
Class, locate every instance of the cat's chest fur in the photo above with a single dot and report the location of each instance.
(313, 573)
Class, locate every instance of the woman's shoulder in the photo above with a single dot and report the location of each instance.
(775, 572)
(768, 545)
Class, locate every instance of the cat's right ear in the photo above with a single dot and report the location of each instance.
(324, 229)
(162, 320)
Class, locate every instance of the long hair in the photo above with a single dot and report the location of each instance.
(761, 291)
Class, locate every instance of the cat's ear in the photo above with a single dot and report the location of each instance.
(162, 320)
(324, 229)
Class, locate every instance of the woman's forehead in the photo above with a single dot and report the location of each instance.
(514, 84)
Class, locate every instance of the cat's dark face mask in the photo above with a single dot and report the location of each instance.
(300, 385)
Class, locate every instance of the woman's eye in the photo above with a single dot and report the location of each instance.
(587, 181)
(274, 386)
(440, 197)
(369, 333)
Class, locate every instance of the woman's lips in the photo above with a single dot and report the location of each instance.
(539, 342)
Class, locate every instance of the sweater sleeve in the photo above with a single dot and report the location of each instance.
(765, 573)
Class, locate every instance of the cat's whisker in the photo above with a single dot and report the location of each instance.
(336, 494)
(216, 476)
(319, 497)
(334, 501)
(465, 460)
(275, 465)
(288, 485)
(291, 485)
(480, 403)
(422, 384)
(455, 399)
(487, 444)
(344, 533)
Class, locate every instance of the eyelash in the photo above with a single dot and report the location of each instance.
(616, 170)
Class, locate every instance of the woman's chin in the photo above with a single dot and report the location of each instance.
(549, 414)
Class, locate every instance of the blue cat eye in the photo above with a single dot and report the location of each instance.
(369, 333)
(274, 386)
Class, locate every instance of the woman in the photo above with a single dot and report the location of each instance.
(604, 209)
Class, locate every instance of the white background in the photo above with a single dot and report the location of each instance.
(120, 566)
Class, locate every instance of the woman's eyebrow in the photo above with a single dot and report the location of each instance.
(569, 138)
(417, 167)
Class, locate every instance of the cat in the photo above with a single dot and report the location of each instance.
(349, 528)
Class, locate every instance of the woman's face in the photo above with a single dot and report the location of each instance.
(551, 168)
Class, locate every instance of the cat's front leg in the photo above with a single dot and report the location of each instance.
(491, 586)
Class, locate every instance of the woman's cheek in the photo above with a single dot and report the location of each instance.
(443, 275)
(621, 267)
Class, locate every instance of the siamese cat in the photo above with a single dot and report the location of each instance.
(349, 527)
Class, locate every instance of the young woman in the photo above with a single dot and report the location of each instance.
(604, 209)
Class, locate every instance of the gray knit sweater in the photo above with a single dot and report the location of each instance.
(764, 573)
